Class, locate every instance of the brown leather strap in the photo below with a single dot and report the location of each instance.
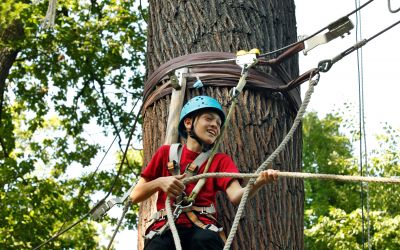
(221, 75)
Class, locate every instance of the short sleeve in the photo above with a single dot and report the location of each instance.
(225, 165)
(154, 168)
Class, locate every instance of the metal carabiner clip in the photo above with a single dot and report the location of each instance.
(177, 211)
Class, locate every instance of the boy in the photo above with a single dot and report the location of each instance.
(200, 123)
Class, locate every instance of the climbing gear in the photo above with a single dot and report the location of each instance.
(103, 206)
(175, 153)
(162, 214)
(197, 104)
(191, 169)
(182, 204)
(338, 28)
(191, 213)
(245, 60)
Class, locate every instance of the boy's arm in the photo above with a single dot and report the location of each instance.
(172, 185)
(235, 190)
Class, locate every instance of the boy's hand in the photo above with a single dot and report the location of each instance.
(172, 185)
(267, 176)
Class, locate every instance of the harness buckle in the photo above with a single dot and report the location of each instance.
(151, 234)
(203, 210)
(180, 208)
(177, 211)
(162, 215)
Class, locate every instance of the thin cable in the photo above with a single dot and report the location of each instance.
(110, 190)
(316, 33)
(390, 7)
(383, 31)
(232, 60)
(83, 188)
(62, 231)
(125, 153)
(362, 131)
(124, 211)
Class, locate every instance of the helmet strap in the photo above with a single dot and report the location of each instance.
(204, 146)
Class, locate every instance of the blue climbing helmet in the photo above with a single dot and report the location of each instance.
(197, 104)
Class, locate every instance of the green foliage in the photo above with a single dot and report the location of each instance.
(85, 72)
(341, 230)
(327, 150)
(333, 218)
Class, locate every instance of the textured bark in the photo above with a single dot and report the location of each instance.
(274, 218)
(8, 54)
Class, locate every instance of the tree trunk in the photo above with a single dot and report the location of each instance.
(274, 217)
(8, 54)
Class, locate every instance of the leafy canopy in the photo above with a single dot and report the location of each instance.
(333, 215)
(84, 73)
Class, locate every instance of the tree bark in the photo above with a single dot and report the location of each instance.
(274, 217)
(8, 54)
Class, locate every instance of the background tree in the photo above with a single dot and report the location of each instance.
(273, 219)
(56, 85)
(333, 215)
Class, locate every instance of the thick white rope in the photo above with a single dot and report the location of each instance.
(347, 178)
(171, 224)
(269, 160)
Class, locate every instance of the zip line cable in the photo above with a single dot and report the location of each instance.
(90, 179)
(361, 118)
(81, 191)
(316, 33)
(111, 188)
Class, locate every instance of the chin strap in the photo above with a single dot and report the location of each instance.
(204, 146)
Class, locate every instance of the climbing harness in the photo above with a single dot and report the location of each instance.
(182, 205)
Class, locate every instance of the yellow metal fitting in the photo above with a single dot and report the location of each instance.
(247, 58)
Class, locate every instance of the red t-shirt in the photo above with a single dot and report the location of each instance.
(157, 167)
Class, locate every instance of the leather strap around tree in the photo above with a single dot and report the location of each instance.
(222, 75)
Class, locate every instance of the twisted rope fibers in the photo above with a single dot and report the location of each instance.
(348, 178)
(272, 157)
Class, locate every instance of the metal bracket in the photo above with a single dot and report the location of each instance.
(336, 29)
(104, 206)
(177, 78)
(246, 59)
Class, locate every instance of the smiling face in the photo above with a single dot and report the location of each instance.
(207, 126)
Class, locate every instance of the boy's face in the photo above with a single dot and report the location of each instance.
(207, 126)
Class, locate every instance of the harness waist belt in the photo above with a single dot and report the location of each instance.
(162, 214)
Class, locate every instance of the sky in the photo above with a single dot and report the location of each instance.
(379, 65)
(380, 69)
